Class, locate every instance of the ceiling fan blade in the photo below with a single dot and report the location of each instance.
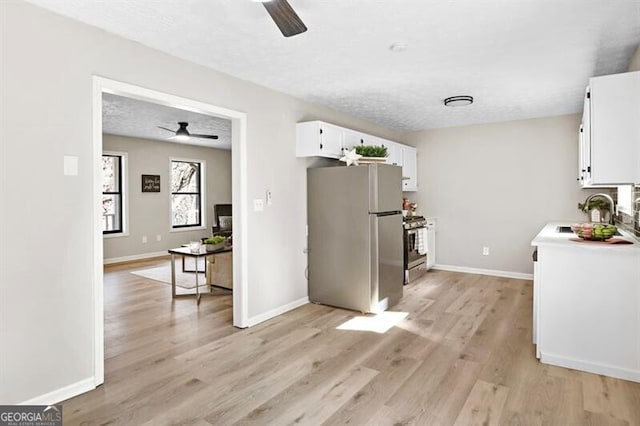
(285, 17)
(193, 135)
(164, 128)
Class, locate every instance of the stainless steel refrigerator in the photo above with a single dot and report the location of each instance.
(355, 236)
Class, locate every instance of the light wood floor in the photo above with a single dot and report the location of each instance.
(462, 356)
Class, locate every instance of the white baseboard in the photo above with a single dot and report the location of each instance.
(277, 311)
(135, 257)
(62, 394)
(578, 364)
(492, 272)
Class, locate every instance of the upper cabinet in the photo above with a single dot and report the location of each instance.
(394, 153)
(610, 131)
(320, 139)
(350, 139)
(409, 168)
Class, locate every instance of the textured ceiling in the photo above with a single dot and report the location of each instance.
(139, 119)
(518, 58)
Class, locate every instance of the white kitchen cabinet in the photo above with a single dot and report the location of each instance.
(409, 168)
(318, 139)
(431, 243)
(536, 304)
(351, 139)
(610, 131)
(394, 153)
(586, 304)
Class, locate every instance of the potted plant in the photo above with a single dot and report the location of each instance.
(372, 151)
(216, 242)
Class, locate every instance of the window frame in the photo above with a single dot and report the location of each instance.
(202, 191)
(123, 180)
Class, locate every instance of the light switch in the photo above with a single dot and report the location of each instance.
(258, 205)
(70, 165)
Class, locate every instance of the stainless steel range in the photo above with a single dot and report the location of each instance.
(415, 247)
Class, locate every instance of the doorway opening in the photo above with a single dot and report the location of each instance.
(238, 196)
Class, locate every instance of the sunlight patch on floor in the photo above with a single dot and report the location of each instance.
(379, 323)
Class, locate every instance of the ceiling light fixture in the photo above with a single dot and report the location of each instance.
(456, 101)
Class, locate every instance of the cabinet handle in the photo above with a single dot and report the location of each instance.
(361, 140)
(320, 146)
(588, 169)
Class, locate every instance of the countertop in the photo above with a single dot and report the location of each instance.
(549, 236)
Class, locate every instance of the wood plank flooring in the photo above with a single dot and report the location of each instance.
(462, 356)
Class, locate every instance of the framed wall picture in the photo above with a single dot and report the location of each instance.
(150, 183)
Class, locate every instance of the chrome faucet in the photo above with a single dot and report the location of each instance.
(612, 204)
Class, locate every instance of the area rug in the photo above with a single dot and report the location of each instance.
(183, 279)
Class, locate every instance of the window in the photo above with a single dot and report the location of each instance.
(186, 194)
(112, 183)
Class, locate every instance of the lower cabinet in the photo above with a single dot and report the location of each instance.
(586, 306)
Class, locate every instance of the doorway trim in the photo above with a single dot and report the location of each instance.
(239, 199)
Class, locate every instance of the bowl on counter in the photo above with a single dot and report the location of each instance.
(594, 231)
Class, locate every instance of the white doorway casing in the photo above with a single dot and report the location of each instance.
(239, 201)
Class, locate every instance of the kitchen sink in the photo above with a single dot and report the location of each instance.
(564, 230)
(567, 230)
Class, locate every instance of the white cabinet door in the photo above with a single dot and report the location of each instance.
(394, 153)
(536, 303)
(330, 141)
(318, 139)
(431, 243)
(585, 143)
(611, 130)
(351, 139)
(409, 168)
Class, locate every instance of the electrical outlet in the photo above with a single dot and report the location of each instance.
(144, 239)
(269, 197)
(485, 251)
(258, 205)
(158, 237)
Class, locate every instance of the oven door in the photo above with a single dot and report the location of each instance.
(412, 247)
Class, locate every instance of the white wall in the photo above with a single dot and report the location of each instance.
(149, 211)
(46, 312)
(496, 185)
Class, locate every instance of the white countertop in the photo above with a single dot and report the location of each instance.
(549, 236)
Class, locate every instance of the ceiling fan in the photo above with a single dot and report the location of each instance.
(284, 16)
(182, 134)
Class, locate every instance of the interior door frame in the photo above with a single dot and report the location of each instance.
(239, 199)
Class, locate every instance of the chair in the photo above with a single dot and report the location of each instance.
(223, 224)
